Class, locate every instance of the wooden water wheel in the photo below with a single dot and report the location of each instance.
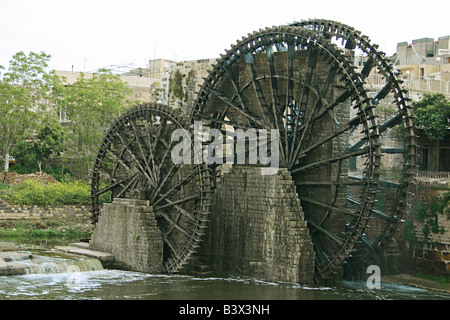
(298, 82)
(134, 161)
(395, 119)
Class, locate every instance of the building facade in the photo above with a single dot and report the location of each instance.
(424, 64)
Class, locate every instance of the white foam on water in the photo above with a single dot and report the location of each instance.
(63, 266)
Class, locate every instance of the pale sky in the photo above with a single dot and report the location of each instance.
(98, 33)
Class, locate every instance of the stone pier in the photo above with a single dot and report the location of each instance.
(128, 230)
(257, 228)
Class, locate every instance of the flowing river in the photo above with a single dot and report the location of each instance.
(59, 278)
(124, 285)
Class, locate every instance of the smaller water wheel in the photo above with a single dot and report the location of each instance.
(134, 161)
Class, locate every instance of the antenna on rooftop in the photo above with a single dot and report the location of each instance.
(154, 60)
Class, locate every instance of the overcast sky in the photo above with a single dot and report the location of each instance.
(90, 34)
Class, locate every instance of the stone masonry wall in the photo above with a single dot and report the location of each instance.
(433, 256)
(257, 228)
(127, 229)
(20, 212)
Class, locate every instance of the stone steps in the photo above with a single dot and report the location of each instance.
(82, 245)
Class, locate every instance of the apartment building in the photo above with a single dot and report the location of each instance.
(424, 64)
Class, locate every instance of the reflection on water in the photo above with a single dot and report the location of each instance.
(116, 284)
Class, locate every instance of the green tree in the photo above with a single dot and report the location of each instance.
(176, 84)
(91, 104)
(432, 115)
(25, 158)
(25, 92)
(48, 142)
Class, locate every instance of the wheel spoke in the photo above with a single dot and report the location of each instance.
(238, 92)
(130, 185)
(115, 184)
(181, 201)
(376, 213)
(131, 153)
(319, 102)
(173, 224)
(306, 89)
(177, 186)
(333, 207)
(343, 128)
(328, 233)
(238, 108)
(328, 161)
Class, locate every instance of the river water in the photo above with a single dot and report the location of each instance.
(102, 284)
(126, 285)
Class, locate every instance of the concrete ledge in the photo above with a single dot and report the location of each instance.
(82, 249)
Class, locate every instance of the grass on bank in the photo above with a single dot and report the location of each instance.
(42, 229)
(43, 234)
(440, 279)
(32, 192)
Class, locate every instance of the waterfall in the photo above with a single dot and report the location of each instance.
(69, 266)
(14, 263)
(88, 264)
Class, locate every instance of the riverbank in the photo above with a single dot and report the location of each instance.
(17, 234)
(80, 224)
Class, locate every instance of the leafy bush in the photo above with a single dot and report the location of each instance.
(59, 173)
(432, 115)
(32, 192)
(3, 189)
(426, 214)
(4, 186)
(24, 169)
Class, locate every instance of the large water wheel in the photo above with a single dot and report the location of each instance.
(386, 91)
(134, 161)
(298, 82)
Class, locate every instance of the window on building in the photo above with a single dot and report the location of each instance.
(434, 155)
(444, 159)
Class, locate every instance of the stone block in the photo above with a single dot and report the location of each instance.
(127, 229)
(258, 230)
